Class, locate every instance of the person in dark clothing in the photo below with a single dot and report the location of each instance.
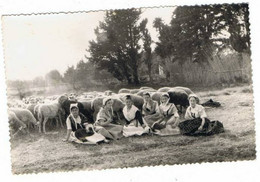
(77, 125)
(196, 122)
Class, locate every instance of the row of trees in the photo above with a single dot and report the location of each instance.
(123, 45)
(195, 33)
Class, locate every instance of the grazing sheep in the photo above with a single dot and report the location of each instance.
(124, 90)
(97, 103)
(134, 91)
(178, 97)
(16, 125)
(108, 93)
(35, 112)
(186, 89)
(88, 112)
(156, 96)
(14, 120)
(164, 89)
(137, 100)
(65, 105)
(141, 92)
(49, 111)
(23, 116)
(146, 88)
(31, 107)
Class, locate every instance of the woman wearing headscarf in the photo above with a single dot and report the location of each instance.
(150, 110)
(135, 125)
(169, 117)
(78, 128)
(196, 120)
(105, 119)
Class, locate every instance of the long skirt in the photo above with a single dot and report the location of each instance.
(151, 119)
(190, 127)
(82, 137)
(110, 131)
(166, 128)
(135, 130)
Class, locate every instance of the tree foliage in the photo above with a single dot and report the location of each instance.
(53, 77)
(196, 32)
(117, 47)
(147, 50)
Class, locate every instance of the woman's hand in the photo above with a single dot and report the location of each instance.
(200, 128)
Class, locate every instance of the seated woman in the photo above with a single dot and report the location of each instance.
(78, 128)
(196, 122)
(150, 110)
(104, 123)
(169, 118)
(135, 125)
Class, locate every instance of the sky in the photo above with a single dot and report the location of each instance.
(37, 44)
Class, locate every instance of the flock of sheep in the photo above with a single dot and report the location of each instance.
(37, 112)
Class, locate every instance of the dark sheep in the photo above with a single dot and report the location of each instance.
(178, 97)
(65, 104)
(186, 89)
(124, 90)
(164, 89)
(137, 100)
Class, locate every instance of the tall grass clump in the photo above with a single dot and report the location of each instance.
(221, 69)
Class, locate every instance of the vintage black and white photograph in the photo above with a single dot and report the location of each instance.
(129, 87)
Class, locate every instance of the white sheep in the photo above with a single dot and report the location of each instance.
(48, 111)
(23, 116)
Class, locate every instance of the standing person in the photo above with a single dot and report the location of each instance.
(78, 128)
(167, 124)
(196, 120)
(135, 125)
(104, 122)
(150, 110)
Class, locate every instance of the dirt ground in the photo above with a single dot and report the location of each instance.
(44, 153)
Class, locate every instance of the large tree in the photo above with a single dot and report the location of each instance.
(196, 32)
(70, 76)
(53, 77)
(147, 41)
(117, 48)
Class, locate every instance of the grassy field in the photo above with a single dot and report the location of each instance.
(48, 153)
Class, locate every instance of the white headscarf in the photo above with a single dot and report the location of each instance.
(165, 106)
(73, 106)
(195, 96)
(105, 100)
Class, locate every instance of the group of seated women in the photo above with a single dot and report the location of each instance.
(159, 119)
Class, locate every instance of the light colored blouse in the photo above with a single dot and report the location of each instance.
(77, 121)
(150, 108)
(130, 114)
(197, 112)
(168, 109)
(104, 115)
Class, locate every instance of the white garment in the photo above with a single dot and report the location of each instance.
(131, 129)
(91, 140)
(197, 112)
(77, 121)
(130, 114)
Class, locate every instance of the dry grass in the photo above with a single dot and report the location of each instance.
(223, 70)
(49, 153)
